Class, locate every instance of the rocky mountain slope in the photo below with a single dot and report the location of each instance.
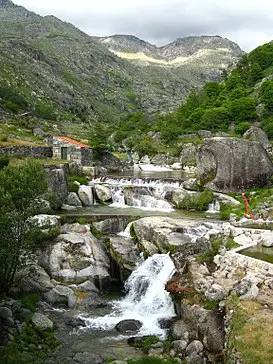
(55, 71)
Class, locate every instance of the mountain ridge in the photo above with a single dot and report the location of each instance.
(57, 72)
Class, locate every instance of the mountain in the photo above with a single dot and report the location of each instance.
(56, 72)
(177, 53)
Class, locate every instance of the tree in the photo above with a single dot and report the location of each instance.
(20, 186)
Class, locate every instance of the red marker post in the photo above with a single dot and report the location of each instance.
(247, 204)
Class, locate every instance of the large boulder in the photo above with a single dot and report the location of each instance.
(73, 200)
(61, 295)
(128, 326)
(77, 256)
(57, 184)
(103, 193)
(41, 322)
(188, 155)
(258, 135)
(34, 279)
(232, 164)
(86, 195)
(167, 234)
(125, 253)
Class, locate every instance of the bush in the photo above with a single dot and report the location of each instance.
(4, 161)
(197, 202)
(29, 346)
(72, 187)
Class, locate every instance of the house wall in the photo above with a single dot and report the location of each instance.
(26, 151)
(82, 156)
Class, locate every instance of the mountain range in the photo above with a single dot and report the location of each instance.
(55, 71)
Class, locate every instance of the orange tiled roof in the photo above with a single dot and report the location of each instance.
(72, 141)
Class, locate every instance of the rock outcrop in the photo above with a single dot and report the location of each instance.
(77, 256)
(232, 164)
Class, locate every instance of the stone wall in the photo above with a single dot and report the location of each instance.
(27, 151)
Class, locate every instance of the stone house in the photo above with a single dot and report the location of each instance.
(71, 150)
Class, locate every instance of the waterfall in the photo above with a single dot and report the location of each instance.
(146, 299)
(147, 194)
(214, 207)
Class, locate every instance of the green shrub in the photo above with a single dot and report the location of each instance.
(30, 300)
(29, 347)
(4, 161)
(72, 187)
(197, 202)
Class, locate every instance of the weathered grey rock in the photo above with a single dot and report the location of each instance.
(180, 330)
(57, 184)
(195, 347)
(61, 295)
(102, 192)
(77, 256)
(74, 321)
(194, 359)
(258, 135)
(113, 225)
(145, 160)
(226, 199)
(207, 325)
(41, 322)
(135, 157)
(73, 199)
(5, 312)
(44, 221)
(85, 194)
(185, 236)
(87, 286)
(34, 279)
(87, 358)
(191, 184)
(91, 302)
(230, 164)
(160, 159)
(266, 238)
(188, 155)
(128, 326)
(215, 293)
(246, 289)
(111, 163)
(205, 133)
(178, 196)
(126, 253)
(179, 345)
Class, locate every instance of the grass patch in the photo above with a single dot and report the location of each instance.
(251, 331)
(29, 347)
(208, 256)
(73, 187)
(196, 202)
(145, 343)
(30, 300)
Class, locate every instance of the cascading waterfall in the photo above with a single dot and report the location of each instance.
(146, 299)
(153, 201)
(214, 207)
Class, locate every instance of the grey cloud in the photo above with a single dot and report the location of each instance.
(248, 23)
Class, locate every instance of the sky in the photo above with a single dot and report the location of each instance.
(249, 23)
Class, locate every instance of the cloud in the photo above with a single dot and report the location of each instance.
(247, 22)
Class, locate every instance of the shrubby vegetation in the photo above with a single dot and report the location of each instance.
(20, 186)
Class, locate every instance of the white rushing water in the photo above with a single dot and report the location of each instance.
(153, 200)
(214, 207)
(146, 299)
